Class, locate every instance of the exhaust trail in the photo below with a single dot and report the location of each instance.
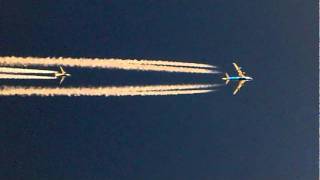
(158, 90)
(25, 71)
(169, 63)
(100, 63)
(164, 87)
(18, 76)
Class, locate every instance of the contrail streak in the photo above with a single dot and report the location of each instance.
(164, 87)
(169, 63)
(25, 71)
(18, 76)
(99, 63)
(106, 91)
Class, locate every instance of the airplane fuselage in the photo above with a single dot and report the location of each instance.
(61, 74)
(241, 78)
(246, 78)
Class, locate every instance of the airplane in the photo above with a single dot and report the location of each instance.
(63, 74)
(242, 78)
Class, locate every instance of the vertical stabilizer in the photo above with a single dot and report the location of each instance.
(227, 78)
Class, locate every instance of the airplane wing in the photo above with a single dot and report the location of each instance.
(240, 72)
(240, 84)
(62, 79)
(62, 71)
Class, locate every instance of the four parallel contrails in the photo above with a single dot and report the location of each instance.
(12, 72)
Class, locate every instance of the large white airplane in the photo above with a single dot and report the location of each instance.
(63, 74)
(242, 78)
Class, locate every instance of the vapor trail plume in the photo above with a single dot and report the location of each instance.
(98, 63)
(167, 93)
(25, 71)
(163, 87)
(18, 76)
(169, 63)
(105, 91)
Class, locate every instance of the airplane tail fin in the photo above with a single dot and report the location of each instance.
(226, 78)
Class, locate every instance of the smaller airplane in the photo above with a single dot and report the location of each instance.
(63, 74)
(242, 78)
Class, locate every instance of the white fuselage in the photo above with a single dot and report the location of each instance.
(238, 78)
(61, 74)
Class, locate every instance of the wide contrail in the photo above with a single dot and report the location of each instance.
(106, 63)
(25, 71)
(152, 90)
(19, 76)
(169, 63)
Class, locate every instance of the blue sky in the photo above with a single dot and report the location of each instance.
(268, 131)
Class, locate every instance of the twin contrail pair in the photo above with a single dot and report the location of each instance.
(139, 65)
(21, 73)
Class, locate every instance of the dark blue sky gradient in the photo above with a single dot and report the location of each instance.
(268, 131)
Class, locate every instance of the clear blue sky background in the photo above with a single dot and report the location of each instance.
(268, 131)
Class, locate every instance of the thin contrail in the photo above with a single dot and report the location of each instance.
(18, 76)
(99, 63)
(25, 71)
(106, 91)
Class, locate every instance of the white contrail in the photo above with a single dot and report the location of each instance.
(169, 63)
(98, 63)
(105, 91)
(25, 71)
(163, 87)
(18, 76)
